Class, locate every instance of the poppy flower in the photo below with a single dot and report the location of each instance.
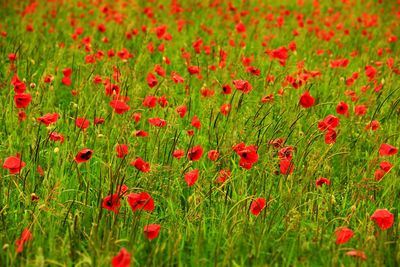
(49, 118)
(151, 231)
(83, 155)
(286, 166)
(141, 201)
(122, 150)
(178, 153)
(191, 177)
(385, 166)
(66, 81)
(286, 153)
(196, 122)
(137, 116)
(370, 72)
(157, 122)
(181, 110)
(19, 87)
(343, 235)
(159, 70)
(243, 85)
(25, 237)
(150, 101)
(226, 89)
(119, 106)
(330, 136)
(383, 218)
(330, 122)
(387, 150)
(195, 153)
(141, 133)
(379, 174)
(306, 100)
(373, 125)
(162, 101)
(112, 202)
(82, 123)
(357, 253)
(98, 121)
(22, 100)
(223, 175)
(360, 110)
(176, 77)
(342, 108)
(141, 165)
(248, 155)
(21, 116)
(257, 206)
(213, 155)
(321, 181)
(14, 164)
(225, 109)
(56, 137)
(123, 259)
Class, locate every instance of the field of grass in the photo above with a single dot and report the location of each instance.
(199, 133)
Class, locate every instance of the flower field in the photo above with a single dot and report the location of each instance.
(200, 133)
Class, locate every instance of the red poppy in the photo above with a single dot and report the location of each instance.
(385, 166)
(122, 150)
(248, 155)
(379, 174)
(226, 89)
(181, 110)
(257, 206)
(330, 136)
(213, 155)
(286, 166)
(123, 259)
(150, 101)
(191, 177)
(286, 153)
(141, 133)
(22, 100)
(151, 231)
(242, 85)
(82, 123)
(159, 70)
(49, 118)
(179, 153)
(151, 80)
(196, 122)
(343, 235)
(195, 153)
(193, 70)
(357, 253)
(225, 109)
(14, 164)
(306, 100)
(157, 122)
(177, 78)
(141, 201)
(342, 108)
(373, 125)
(99, 121)
(137, 116)
(162, 101)
(360, 110)
(119, 107)
(387, 150)
(56, 137)
(223, 176)
(83, 155)
(330, 122)
(370, 72)
(66, 81)
(383, 218)
(321, 181)
(21, 116)
(112, 202)
(141, 165)
(25, 237)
